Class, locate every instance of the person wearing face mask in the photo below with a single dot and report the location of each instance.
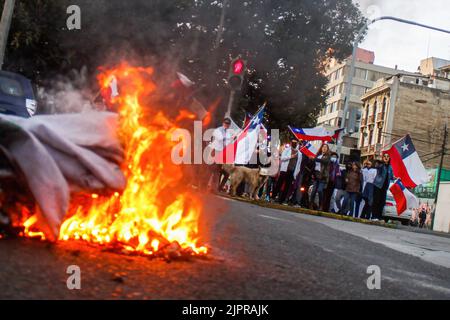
(290, 162)
(333, 174)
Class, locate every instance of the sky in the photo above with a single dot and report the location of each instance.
(405, 45)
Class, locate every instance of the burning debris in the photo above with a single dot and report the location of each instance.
(153, 214)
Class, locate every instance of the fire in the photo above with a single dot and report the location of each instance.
(156, 209)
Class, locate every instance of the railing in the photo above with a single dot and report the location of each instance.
(364, 150)
(363, 122)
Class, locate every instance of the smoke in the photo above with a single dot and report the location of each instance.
(69, 94)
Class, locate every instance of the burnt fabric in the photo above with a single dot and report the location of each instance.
(58, 154)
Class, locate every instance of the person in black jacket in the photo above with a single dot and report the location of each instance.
(321, 175)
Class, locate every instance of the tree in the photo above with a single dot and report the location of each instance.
(285, 42)
(34, 39)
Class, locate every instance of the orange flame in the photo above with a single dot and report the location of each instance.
(155, 209)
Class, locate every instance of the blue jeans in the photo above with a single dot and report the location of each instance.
(354, 203)
(318, 187)
(368, 201)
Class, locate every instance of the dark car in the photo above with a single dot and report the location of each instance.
(16, 95)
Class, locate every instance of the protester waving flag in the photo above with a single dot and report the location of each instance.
(406, 163)
(241, 149)
(317, 133)
(404, 198)
(309, 150)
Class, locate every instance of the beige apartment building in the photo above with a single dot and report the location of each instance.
(366, 74)
(401, 104)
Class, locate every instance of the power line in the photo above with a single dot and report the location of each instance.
(432, 158)
(431, 153)
(398, 135)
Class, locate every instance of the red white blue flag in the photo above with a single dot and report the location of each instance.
(404, 198)
(317, 133)
(406, 163)
(309, 150)
(241, 149)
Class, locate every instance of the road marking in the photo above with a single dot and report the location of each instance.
(273, 218)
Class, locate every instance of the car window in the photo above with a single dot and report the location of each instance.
(11, 87)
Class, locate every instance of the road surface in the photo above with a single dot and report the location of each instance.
(256, 253)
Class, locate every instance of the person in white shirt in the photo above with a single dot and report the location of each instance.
(290, 162)
(369, 173)
(222, 136)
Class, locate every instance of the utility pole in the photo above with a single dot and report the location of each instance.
(444, 144)
(5, 24)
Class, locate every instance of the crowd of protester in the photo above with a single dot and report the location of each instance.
(321, 183)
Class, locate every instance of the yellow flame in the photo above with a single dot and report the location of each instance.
(156, 208)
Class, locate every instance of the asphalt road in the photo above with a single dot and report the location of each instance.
(256, 253)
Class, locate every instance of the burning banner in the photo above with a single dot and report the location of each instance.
(154, 210)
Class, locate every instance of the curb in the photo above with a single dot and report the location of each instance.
(311, 212)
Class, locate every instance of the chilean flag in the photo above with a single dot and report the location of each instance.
(317, 133)
(309, 150)
(241, 149)
(406, 163)
(403, 197)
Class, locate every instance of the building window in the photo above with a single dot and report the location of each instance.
(334, 107)
(360, 73)
(374, 113)
(336, 75)
(374, 75)
(357, 120)
(384, 105)
(369, 141)
(358, 90)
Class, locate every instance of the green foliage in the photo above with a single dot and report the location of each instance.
(285, 43)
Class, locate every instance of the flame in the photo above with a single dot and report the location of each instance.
(156, 209)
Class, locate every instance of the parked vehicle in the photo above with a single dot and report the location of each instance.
(390, 211)
(16, 95)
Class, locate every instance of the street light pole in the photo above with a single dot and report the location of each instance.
(348, 90)
(5, 24)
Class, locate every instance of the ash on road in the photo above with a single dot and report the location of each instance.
(256, 253)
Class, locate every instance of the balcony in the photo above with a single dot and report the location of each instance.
(380, 116)
(371, 120)
(363, 122)
(364, 150)
(369, 150)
